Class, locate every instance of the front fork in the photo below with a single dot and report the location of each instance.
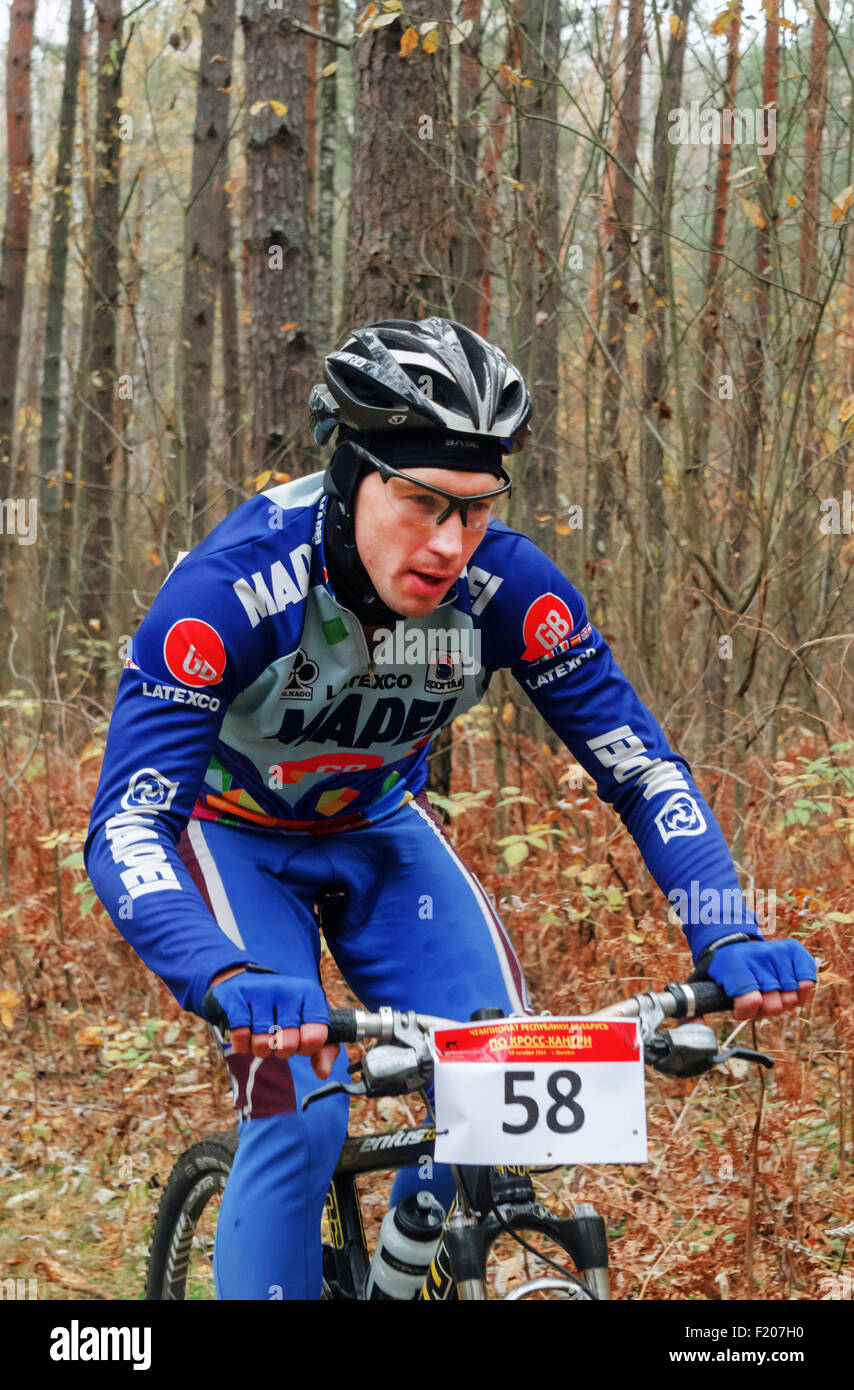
(459, 1268)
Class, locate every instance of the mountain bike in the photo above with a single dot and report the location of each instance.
(492, 1202)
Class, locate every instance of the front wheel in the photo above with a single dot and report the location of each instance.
(180, 1261)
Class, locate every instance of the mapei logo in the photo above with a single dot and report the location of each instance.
(148, 790)
(262, 599)
(194, 653)
(545, 627)
(304, 673)
(680, 816)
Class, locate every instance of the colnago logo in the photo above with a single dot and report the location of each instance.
(134, 841)
(262, 599)
(623, 752)
(76, 1343)
(181, 696)
(148, 790)
(303, 674)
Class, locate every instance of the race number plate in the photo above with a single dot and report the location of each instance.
(541, 1090)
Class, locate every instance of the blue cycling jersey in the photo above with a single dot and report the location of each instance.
(252, 697)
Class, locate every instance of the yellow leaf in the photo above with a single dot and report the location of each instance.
(279, 108)
(507, 713)
(510, 73)
(751, 212)
(256, 107)
(329, 69)
(8, 1000)
(431, 41)
(792, 199)
(263, 479)
(677, 28)
(286, 327)
(842, 202)
(845, 411)
(408, 41)
(154, 558)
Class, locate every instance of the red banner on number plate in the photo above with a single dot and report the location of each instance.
(540, 1040)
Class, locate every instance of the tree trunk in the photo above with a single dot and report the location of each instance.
(537, 352)
(13, 268)
(467, 257)
(398, 240)
(202, 251)
(325, 217)
(611, 460)
(51, 481)
(655, 408)
(230, 332)
(280, 268)
(101, 443)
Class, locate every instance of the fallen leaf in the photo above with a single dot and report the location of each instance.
(408, 41)
(58, 1274)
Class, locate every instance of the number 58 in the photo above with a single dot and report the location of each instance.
(564, 1099)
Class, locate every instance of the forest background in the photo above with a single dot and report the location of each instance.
(649, 207)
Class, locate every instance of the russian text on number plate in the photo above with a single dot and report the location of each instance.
(540, 1090)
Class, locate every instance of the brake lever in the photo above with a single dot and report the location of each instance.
(358, 1088)
(747, 1054)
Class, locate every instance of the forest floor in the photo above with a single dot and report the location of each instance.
(749, 1185)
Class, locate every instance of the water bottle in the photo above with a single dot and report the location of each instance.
(409, 1238)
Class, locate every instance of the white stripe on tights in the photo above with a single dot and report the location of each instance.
(216, 892)
(503, 948)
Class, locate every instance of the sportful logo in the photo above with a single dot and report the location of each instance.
(261, 599)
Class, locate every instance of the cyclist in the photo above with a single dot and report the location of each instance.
(270, 735)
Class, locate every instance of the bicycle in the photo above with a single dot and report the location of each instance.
(491, 1201)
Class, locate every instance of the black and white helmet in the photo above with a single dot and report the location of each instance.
(434, 374)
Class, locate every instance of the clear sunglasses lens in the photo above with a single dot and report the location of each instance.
(420, 508)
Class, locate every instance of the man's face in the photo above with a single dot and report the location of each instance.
(410, 566)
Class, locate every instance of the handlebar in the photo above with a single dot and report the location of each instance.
(676, 1001)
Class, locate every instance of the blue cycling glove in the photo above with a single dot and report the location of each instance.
(263, 1000)
(758, 964)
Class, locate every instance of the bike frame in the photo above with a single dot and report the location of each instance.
(459, 1266)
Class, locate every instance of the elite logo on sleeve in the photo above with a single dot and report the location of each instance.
(546, 627)
(194, 652)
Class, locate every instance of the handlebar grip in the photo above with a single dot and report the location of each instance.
(710, 998)
(342, 1026)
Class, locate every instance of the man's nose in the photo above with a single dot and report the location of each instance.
(449, 539)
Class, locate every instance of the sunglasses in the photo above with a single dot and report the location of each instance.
(424, 504)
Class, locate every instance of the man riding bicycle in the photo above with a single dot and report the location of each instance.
(269, 739)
